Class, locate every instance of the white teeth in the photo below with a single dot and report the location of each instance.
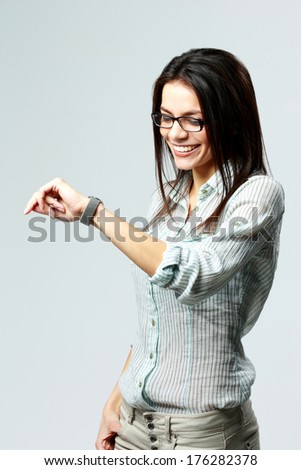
(183, 149)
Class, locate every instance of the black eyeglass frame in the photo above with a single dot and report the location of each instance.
(200, 121)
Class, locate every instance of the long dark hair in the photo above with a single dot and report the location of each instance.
(226, 95)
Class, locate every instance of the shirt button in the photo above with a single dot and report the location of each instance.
(154, 448)
(153, 322)
(203, 192)
(151, 426)
(140, 384)
(149, 418)
(153, 438)
(151, 355)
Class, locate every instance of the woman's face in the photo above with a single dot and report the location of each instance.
(191, 150)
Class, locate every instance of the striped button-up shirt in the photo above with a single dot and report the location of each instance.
(206, 294)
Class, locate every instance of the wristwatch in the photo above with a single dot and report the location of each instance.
(87, 215)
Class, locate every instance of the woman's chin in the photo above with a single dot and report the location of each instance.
(181, 164)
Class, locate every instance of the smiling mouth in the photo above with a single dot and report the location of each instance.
(185, 148)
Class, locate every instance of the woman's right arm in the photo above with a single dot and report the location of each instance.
(109, 424)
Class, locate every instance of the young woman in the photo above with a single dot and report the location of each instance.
(203, 267)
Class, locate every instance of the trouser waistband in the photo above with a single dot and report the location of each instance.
(234, 428)
(209, 420)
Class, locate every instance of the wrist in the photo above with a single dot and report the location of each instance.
(114, 401)
(83, 204)
(112, 408)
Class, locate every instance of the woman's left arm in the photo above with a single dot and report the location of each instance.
(145, 251)
(248, 230)
(63, 202)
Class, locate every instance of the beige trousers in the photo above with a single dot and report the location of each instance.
(234, 428)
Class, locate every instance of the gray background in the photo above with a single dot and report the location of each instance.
(69, 69)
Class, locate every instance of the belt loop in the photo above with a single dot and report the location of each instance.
(131, 414)
(243, 408)
(167, 428)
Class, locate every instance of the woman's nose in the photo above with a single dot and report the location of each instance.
(176, 132)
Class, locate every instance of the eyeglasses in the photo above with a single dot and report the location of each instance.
(188, 124)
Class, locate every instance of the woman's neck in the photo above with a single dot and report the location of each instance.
(199, 178)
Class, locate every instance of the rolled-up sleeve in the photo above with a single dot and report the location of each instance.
(249, 227)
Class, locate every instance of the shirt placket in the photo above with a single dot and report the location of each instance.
(154, 314)
(182, 222)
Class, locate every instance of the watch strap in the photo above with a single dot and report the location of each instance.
(87, 215)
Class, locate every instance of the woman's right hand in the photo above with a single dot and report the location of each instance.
(109, 427)
(60, 198)
(110, 422)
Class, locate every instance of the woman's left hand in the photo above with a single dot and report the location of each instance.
(58, 199)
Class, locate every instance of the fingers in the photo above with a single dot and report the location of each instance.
(42, 204)
(54, 204)
(53, 186)
(45, 198)
(107, 443)
(35, 203)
